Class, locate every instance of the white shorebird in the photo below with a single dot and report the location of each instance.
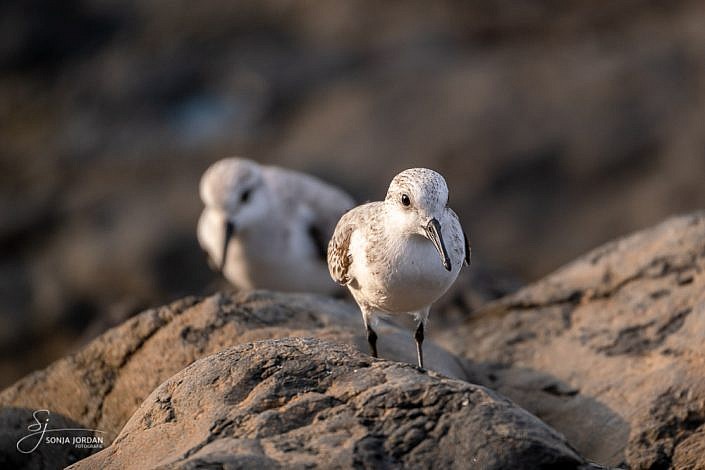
(401, 254)
(267, 227)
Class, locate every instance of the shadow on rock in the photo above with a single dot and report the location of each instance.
(565, 407)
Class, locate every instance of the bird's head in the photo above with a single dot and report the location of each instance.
(417, 198)
(235, 198)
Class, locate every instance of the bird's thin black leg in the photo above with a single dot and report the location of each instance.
(419, 341)
(372, 339)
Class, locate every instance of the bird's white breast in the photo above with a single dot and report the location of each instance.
(402, 274)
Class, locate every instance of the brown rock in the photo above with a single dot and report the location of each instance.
(103, 384)
(609, 350)
(303, 402)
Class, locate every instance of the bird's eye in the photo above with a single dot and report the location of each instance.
(405, 200)
(245, 196)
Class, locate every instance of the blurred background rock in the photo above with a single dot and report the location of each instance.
(558, 125)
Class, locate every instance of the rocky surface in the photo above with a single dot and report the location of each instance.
(609, 350)
(302, 403)
(101, 386)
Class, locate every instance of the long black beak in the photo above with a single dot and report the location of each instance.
(229, 232)
(433, 232)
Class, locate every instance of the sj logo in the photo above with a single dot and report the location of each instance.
(40, 432)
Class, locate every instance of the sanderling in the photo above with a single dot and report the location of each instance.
(267, 227)
(387, 252)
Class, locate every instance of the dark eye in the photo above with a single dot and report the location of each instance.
(245, 196)
(405, 200)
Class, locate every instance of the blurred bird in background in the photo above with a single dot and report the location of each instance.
(268, 227)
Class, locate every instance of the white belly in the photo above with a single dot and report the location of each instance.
(267, 256)
(412, 278)
(283, 270)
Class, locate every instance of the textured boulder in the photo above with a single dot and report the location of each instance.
(609, 350)
(303, 402)
(102, 385)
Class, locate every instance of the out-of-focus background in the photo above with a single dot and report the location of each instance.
(558, 125)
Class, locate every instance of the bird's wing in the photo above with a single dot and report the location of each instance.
(339, 256)
(468, 249)
(322, 203)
